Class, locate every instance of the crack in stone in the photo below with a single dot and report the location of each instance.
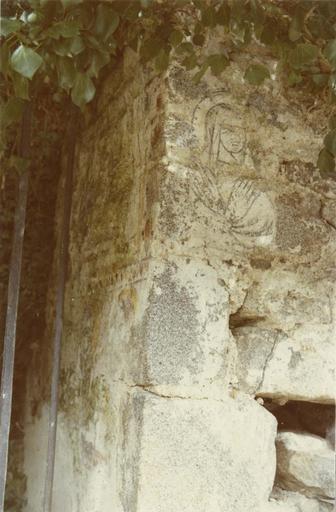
(155, 393)
(268, 359)
(147, 388)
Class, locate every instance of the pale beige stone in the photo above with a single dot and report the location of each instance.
(169, 327)
(288, 501)
(198, 455)
(306, 464)
(273, 363)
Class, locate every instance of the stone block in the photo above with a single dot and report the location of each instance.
(169, 326)
(286, 298)
(306, 464)
(273, 363)
(197, 455)
(287, 501)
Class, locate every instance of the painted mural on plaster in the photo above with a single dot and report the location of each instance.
(246, 211)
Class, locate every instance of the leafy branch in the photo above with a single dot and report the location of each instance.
(64, 47)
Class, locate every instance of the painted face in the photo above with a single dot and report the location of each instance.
(231, 139)
(225, 142)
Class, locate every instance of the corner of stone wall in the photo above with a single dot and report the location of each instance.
(200, 279)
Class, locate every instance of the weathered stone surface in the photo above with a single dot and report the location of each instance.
(329, 212)
(273, 363)
(197, 455)
(36, 442)
(16, 478)
(146, 453)
(286, 299)
(240, 186)
(186, 210)
(85, 456)
(168, 325)
(305, 463)
(287, 501)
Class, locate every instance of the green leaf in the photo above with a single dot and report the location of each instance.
(76, 45)
(257, 13)
(66, 73)
(83, 61)
(330, 142)
(217, 63)
(8, 26)
(11, 111)
(184, 48)
(92, 42)
(25, 61)
(68, 47)
(33, 18)
(150, 48)
(326, 162)
(107, 21)
(199, 39)
(256, 74)
(35, 31)
(303, 55)
(99, 60)
(294, 78)
(176, 37)
(24, 17)
(190, 62)
(330, 52)
(21, 86)
(83, 90)
(132, 11)
(296, 25)
(162, 61)
(295, 29)
(63, 29)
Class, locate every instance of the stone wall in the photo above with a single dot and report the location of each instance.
(200, 299)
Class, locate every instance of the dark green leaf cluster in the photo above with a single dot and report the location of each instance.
(56, 48)
(64, 45)
(300, 35)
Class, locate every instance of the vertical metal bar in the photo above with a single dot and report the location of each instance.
(12, 305)
(60, 292)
